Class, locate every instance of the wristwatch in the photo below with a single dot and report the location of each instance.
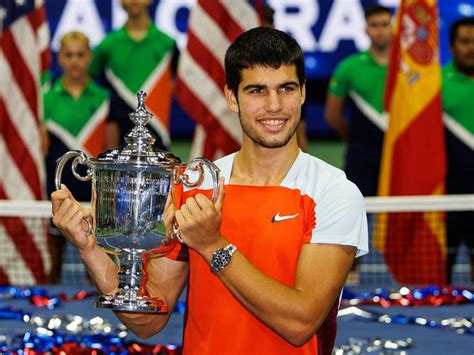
(221, 257)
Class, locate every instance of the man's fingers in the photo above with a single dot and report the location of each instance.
(57, 197)
(62, 209)
(68, 211)
(71, 196)
(79, 219)
(192, 206)
(179, 217)
(185, 212)
(220, 194)
(170, 197)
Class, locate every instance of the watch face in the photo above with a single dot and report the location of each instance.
(220, 259)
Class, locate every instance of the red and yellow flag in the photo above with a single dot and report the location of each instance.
(413, 158)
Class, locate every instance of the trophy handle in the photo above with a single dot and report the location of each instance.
(197, 165)
(80, 158)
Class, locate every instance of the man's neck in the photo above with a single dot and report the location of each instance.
(258, 166)
(137, 27)
(380, 54)
(75, 86)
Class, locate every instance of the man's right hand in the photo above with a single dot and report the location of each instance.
(68, 216)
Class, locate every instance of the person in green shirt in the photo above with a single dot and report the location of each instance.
(457, 93)
(359, 82)
(76, 116)
(138, 57)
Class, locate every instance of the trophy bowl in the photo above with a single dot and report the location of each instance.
(130, 187)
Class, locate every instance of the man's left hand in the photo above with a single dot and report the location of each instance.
(199, 221)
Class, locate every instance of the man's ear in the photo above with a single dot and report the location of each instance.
(231, 99)
(303, 93)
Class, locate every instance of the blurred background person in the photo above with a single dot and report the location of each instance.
(359, 81)
(137, 57)
(76, 113)
(457, 95)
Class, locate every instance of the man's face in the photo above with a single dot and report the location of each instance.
(74, 58)
(269, 103)
(463, 49)
(379, 30)
(135, 7)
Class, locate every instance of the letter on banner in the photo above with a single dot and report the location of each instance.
(297, 24)
(345, 22)
(79, 15)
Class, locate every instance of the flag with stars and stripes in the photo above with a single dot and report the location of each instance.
(24, 55)
(213, 26)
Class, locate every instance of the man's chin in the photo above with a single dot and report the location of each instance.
(274, 144)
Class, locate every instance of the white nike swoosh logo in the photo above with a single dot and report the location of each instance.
(278, 218)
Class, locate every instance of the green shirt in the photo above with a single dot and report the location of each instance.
(458, 95)
(70, 113)
(361, 80)
(457, 92)
(130, 60)
(74, 124)
(128, 66)
(360, 73)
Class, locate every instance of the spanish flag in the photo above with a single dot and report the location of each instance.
(413, 156)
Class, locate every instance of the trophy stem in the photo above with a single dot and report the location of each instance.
(131, 295)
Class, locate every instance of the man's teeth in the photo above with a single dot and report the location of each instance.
(273, 122)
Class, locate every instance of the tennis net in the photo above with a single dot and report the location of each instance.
(19, 248)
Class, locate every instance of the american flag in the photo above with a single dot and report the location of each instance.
(213, 26)
(24, 39)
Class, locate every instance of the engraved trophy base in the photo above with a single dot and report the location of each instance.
(122, 303)
(131, 295)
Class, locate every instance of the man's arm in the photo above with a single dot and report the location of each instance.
(334, 116)
(166, 277)
(295, 313)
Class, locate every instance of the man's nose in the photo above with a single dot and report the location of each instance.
(273, 103)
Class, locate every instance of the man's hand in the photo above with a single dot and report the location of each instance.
(68, 216)
(199, 221)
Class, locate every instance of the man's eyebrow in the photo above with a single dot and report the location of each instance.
(286, 83)
(253, 86)
(261, 86)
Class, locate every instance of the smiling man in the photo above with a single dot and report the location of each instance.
(266, 263)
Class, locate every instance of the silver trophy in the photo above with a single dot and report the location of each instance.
(130, 187)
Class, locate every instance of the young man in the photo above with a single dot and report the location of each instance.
(360, 79)
(457, 94)
(138, 57)
(280, 239)
(76, 113)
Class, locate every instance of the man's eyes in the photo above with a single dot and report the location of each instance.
(257, 91)
(287, 88)
(282, 89)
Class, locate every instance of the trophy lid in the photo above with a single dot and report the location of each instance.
(139, 149)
